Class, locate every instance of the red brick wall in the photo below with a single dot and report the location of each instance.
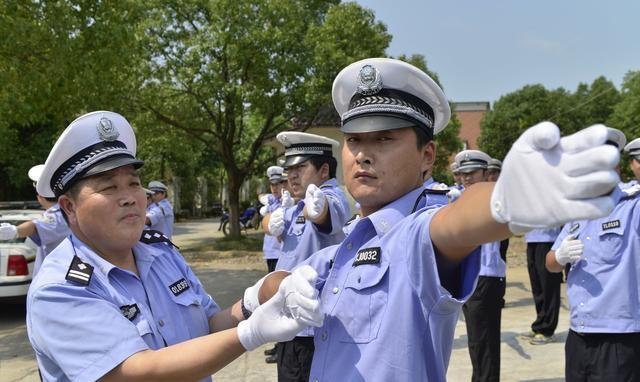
(470, 127)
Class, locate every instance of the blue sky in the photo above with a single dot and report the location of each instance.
(482, 49)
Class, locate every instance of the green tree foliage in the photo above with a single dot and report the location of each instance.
(58, 60)
(231, 74)
(515, 112)
(626, 115)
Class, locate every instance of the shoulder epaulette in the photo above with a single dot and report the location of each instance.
(151, 236)
(79, 271)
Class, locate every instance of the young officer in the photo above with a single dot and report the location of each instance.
(315, 222)
(392, 290)
(271, 202)
(633, 149)
(112, 303)
(493, 170)
(160, 213)
(483, 310)
(603, 290)
(47, 232)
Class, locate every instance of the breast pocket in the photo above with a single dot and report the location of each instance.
(610, 246)
(192, 313)
(362, 304)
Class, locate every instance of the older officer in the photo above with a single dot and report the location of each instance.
(392, 290)
(315, 222)
(483, 310)
(160, 212)
(603, 290)
(47, 232)
(116, 304)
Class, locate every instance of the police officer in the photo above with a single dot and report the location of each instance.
(392, 290)
(47, 232)
(315, 222)
(545, 285)
(633, 150)
(112, 302)
(160, 212)
(483, 310)
(271, 202)
(603, 343)
(493, 169)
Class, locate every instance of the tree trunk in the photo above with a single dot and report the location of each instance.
(235, 181)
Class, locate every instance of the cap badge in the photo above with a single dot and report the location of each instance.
(106, 130)
(466, 157)
(369, 80)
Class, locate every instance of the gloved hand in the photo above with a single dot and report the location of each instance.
(282, 317)
(264, 199)
(547, 180)
(315, 202)
(286, 201)
(453, 194)
(569, 251)
(263, 210)
(276, 222)
(8, 231)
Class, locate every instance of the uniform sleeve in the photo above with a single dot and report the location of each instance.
(422, 269)
(154, 215)
(82, 333)
(338, 209)
(52, 228)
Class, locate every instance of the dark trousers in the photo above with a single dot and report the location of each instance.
(605, 357)
(294, 359)
(271, 265)
(545, 287)
(482, 313)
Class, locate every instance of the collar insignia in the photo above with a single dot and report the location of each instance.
(79, 272)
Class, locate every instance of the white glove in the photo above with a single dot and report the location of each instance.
(263, 210)
(250, 298)
(569, 251)
(264, 199)
(315, 202)
(287, 201)
(547, 181)
(272, 322)
(276, 222)
(8, 231)
(453, 194)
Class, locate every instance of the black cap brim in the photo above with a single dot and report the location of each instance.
(295, 160)
(111, 163)
(371, 122)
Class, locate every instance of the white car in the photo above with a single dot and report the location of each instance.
(17, 257)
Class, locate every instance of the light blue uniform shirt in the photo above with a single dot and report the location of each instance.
(387, 315)
(542, 235)
(79, 332)
(439, 197)
(492, 263)
(302, 238)
(161, 216)
(271, 245)
(51, 229)
(603, 287)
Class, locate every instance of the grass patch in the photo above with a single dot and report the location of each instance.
(244, 243)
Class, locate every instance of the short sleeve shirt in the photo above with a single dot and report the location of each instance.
(387, 315)
(51, 229)
(271, 245)
(161, 216)
(81, 332)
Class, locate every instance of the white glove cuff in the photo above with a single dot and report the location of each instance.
(250, 299)
(246, 337)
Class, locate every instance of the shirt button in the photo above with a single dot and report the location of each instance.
(349, 246)
(161, 323)
(324, 335)
(334, 290)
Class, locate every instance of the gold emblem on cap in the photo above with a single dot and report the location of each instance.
(369, 80)
(106, 130)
